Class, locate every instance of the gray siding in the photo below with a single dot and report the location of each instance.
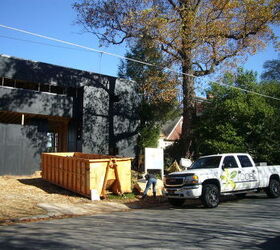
(95, 120)
(20, 149)
(126, 117)
(28, 101)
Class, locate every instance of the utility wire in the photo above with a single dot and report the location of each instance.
(40, 43)
(88, 48)
(119, 56)
(248, 91)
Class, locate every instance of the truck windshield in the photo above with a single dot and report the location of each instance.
(207, 162)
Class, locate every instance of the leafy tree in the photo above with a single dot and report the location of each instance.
(196, 35)
(272, 70)
(238, 121)
(156, 87)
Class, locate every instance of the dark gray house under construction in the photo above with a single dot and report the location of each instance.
(49, 108)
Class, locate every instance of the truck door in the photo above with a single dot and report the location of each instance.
(229, 176)
(249, 175)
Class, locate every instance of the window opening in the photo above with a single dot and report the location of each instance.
(21, 84)
(52, 142)
(230, 162)
(245, 161)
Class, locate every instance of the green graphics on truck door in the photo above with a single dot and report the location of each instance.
(228, 179)
(234, 177)
(229, 176)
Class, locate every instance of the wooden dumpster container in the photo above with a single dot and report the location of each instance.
(82, 173)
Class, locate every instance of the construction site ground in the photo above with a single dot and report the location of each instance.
(30, 198)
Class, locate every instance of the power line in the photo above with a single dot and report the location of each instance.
(248, 91)
(116, 55)
(40, 43)
(88, 48)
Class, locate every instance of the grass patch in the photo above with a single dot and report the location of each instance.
(121, 197)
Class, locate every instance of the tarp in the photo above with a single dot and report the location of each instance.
(174, 167)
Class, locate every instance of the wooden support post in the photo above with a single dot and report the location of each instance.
(22, 119)
(119, 189)
(103, 192)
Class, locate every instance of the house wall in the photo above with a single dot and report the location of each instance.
(126, 117)
(111, 119)
(98, 116)
(95, 120)
(33, 102)
(18, 156)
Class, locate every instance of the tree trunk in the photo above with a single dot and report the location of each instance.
(188, 109)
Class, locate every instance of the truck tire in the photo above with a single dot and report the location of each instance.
(273, 189)
(210, 195)
(176, 202)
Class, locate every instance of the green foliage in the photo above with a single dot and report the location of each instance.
(126, 196)
(272, 70)
(153, 116)
(238, 121)
(172, 153)
(142, 50)
(156, 87)
(149, 136)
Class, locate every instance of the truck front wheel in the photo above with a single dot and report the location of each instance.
(273, 189)
(210, 196)
(176, 202)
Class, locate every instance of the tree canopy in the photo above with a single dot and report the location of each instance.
(156, 87)
(196, 35)
(238, 121)
(272, 70)
(154, 83)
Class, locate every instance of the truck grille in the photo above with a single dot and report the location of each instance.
(175, 180)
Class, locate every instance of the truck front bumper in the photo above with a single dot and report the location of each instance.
(185, 192)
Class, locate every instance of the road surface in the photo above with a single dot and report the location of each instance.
(250, 223)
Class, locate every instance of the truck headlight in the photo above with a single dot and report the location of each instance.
(193, 179)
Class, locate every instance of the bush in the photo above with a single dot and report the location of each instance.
(172, 153)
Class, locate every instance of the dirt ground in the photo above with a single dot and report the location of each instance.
(19, 196)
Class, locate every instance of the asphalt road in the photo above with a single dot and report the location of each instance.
(250, 223)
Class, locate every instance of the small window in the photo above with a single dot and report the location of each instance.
(45, 88)
(230, 162)
(207, 162)
(245, 161)
(58, 90)
(52, 142)
(27, 85)
(9, 82)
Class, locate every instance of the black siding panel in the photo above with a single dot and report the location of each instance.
(20, 149)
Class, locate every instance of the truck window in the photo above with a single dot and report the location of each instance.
(245, 161)
(207, 162)
(230, 162)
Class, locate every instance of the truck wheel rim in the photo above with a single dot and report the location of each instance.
(213, 197)
(276, 188)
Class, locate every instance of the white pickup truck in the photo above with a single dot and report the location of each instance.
(222, 174)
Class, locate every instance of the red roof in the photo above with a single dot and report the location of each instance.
(176, 131)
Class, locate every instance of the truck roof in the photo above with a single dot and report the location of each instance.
(225, 154)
